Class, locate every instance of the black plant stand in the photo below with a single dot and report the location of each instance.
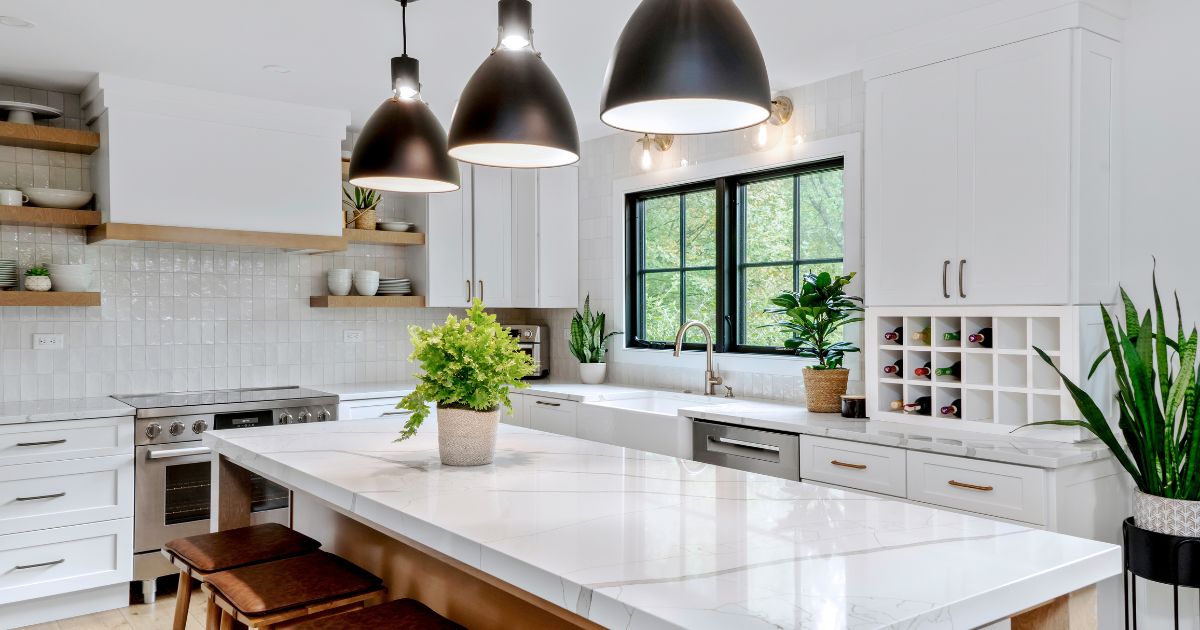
(1162, 558)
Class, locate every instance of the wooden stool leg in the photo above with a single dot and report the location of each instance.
(183, 598)
(226, 621)
(213, 619)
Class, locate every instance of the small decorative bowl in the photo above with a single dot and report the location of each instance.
(37, 283)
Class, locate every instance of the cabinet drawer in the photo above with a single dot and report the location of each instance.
(71, 439)
(65, 559)
(1004, 490)
(551, 415)
(855, 465)
(54, 494)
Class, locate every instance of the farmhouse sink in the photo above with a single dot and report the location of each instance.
(649, 421)
(661, 403)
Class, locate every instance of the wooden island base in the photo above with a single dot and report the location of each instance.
(481, 601)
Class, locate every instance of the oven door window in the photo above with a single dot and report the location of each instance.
(188, 491)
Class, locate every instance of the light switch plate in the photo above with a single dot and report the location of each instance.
(48, 342)
(352, 336)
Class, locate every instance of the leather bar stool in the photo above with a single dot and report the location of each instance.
(197, 557)
(290, 590)
(400, 614)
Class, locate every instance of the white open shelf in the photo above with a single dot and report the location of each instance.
(999, 388)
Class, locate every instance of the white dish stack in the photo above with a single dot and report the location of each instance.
(395, 286)
(70, 278)
(8, 274)
(339, 281)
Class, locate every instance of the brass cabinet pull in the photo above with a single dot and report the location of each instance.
(46, 443)
(845, 465)
(20, 567)
(44, 496)
(548, 404)
(945, 279)
(970, 486)
(962, 267)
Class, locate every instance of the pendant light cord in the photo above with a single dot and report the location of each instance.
(404, 26)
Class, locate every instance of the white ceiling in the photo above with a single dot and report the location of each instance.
(338, 50)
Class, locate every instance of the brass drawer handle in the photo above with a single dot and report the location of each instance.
(44, 496)
(46, 443)
(21, 567)
(845, 465)
(548, 404)
(970, 486)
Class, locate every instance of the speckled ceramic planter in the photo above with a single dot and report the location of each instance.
(37, 283)
(467, 437)
(1166, 516)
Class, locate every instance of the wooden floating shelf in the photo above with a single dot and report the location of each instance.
(48, 298)
(51, 217)
(49, 138)
(206, 236)
(383, 237)
(345, 169)
(362, 301)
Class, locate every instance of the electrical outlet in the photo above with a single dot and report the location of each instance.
(48, 342)
(352, 336)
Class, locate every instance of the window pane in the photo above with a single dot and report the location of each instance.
(769, 212)
(820, 215)
(701, 228)
(662, 306)
(762, 284)
(832, 268)
(701, 302)
(661, 216)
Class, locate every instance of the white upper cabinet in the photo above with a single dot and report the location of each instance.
(976, 193)
(558, 237)
(448, 254)
(493, 232)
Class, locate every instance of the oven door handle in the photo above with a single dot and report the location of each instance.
(180, 452)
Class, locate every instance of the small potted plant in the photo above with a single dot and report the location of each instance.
(1157, 413)
(37, 278)
(362, 205)
(589, 343)
(815, 316)
(468, 366)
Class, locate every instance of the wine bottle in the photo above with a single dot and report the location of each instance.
(953, 409)
(897, 405)
(895, 335)
(983, 338)
(925, 336)
(924, 372)
(954, 370)
(895, 368)
(922, 406)
(952, 336)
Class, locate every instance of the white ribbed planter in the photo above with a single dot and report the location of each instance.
(592, 373)
(1166, 516)
(467, 437)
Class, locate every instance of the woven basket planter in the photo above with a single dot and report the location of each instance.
(365, 219)
(467, 437)
(824, 389)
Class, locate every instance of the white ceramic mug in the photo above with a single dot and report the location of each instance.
(13, 198)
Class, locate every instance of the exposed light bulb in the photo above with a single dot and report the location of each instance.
(514, 42)
(761, 137)
(683, 162)
(647, 162)
(406, 92)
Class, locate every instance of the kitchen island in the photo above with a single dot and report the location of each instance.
(565, 532)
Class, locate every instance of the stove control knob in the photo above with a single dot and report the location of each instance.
(199, 426)
(153, 429)
(322, 416)
(304, 416)
(285, 418)
(176, 428)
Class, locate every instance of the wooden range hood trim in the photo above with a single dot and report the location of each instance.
(208, 236)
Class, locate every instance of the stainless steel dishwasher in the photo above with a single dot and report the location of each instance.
(752, 450)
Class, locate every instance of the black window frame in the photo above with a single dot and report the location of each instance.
(729, 270)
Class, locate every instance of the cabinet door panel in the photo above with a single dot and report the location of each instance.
(493, 236)
(448, 246)
(558, 237)
(1014, 186)
(524, 243)
(912, 160)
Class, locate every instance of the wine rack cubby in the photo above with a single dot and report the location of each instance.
(997, 388)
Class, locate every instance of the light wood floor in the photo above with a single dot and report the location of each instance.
(156, 616)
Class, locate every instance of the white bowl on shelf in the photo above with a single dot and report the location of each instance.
(70, 278)
(394, 226)
(366, 282)
(339, 281)
(57, 198)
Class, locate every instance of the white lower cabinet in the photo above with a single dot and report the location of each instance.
(72, 439)
(54, 494)
(552, 415)
(868, 467)
(1003, 490)
(64, 559)
(520, 415)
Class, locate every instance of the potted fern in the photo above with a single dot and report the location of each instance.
(589, 343)
(468, 366)
(1158, 406)
(815, 316)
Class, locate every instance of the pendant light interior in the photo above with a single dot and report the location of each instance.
(685, 116)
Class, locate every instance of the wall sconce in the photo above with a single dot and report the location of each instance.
(648, 150)
(766, 134)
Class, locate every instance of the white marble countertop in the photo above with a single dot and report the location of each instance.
(62, 409)
(642, 541)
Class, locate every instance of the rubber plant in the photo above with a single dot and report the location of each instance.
(815, 316)
(588, 340)
(1158, 387)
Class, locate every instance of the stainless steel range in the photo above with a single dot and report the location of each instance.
(173, 470)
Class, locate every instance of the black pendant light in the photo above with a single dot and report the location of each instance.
(686, 67)
(402, 148)
(513, 113)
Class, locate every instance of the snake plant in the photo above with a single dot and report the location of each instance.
(1158, 387)
(588, 340)
(361, 199)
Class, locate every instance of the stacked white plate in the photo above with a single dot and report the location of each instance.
(395, 286)
(70, 278)
(8, 274)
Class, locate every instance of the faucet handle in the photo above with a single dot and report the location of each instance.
(728, 391)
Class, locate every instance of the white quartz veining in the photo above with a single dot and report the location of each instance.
(62, 409)
(641, 541)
